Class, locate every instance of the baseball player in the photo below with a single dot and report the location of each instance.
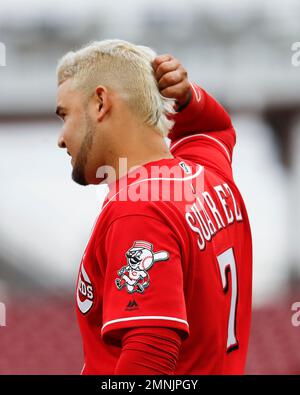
(164, 285)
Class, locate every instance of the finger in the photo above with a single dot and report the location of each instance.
(166, 67)
(176, 91)
(169, 79)
(160, 59)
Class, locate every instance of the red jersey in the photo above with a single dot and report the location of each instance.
(172, 248)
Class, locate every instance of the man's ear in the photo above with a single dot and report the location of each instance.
(103, 102)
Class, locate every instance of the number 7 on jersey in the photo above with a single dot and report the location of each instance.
(226, 262)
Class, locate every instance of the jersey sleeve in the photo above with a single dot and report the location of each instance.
(203, 130)
(143, 284)
(149, 350)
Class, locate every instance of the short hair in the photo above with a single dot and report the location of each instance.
(124, 67)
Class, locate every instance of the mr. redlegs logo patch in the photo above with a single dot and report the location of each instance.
(140, 258)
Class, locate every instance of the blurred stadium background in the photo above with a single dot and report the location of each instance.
(241, 53)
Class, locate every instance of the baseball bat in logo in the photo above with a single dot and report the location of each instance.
(85, 295)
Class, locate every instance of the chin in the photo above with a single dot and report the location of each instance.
(79, 177)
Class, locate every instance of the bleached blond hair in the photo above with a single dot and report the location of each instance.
(125, 68)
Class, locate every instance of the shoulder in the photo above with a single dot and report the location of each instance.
(159, 196)
(116, 209)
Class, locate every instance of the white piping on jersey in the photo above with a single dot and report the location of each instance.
(203, 135)
(145, 317)
(200, 168)
(198, 96)
(82, 369)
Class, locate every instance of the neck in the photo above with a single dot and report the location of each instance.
(142, 146)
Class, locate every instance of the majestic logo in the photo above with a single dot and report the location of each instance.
(132, 305)
(85, 293)
(140, 258)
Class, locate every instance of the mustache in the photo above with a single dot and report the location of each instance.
(133, 258)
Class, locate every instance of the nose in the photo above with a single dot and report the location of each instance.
(61, 143)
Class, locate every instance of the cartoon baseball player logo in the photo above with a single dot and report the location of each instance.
(140, 258)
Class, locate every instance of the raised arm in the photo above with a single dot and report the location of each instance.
(202, 112)
(198, 113)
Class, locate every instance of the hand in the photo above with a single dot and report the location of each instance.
(172, 78)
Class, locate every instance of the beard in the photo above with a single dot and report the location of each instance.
(78, 173)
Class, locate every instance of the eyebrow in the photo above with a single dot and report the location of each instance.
(59, 110)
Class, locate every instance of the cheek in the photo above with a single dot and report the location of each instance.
(73, 136)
